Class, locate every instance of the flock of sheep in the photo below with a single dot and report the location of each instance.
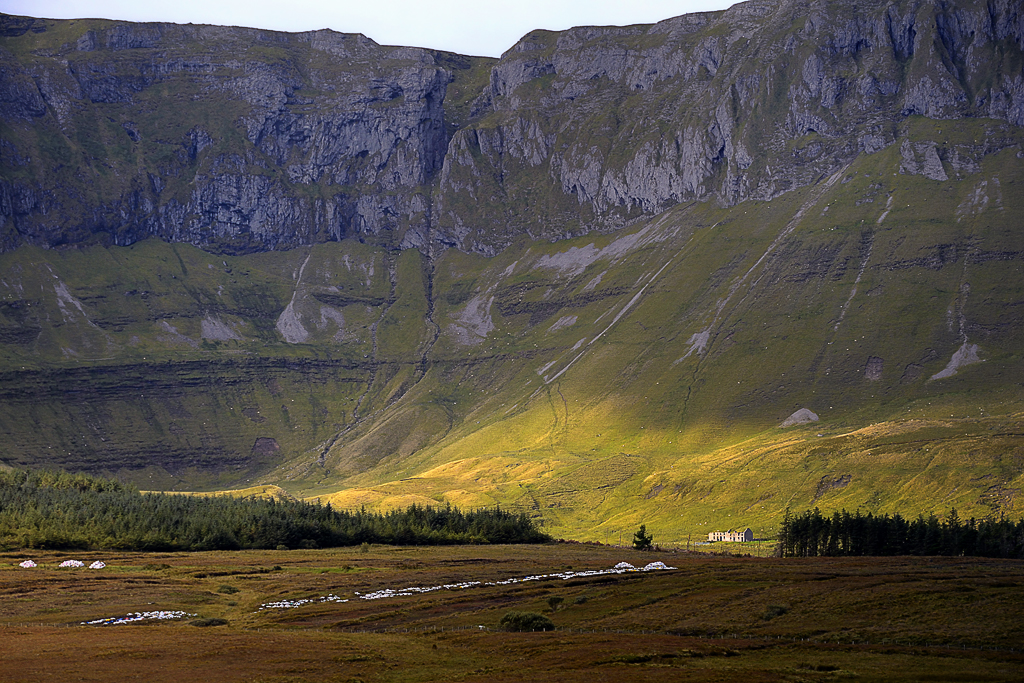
(66, 564)
(620, 568)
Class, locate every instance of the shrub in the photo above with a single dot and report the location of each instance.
(526, 621)
(642, 539)
(773, 611)
(213, 621)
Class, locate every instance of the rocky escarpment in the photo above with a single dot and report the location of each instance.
(597, 126)
(243, 140)
(233, 139)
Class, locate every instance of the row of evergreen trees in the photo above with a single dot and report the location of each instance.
(46, 509)
(812, 534)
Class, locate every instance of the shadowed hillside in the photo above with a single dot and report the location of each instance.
(638, 276)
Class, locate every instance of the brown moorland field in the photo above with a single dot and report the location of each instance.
(713, 618)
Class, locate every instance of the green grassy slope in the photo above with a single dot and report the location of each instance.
(602, 382)
(656, 394)
(168, 359)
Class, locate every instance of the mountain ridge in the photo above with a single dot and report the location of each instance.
(587, 305)
(566, 135)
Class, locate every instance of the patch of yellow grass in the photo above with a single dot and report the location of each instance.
(468, 500)
(375, 499)
(261, 491)
(608, 482)
(490, 471)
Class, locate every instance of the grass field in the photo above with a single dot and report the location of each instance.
(714, 617)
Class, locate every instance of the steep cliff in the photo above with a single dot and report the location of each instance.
(595, 127)
(233, 139)
(243, 140)
(790, 273)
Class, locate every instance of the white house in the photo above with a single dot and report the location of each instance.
(732, 536)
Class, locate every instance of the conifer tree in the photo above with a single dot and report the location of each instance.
(641, 539)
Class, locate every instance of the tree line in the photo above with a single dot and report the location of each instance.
(60, 510)
(812, 534)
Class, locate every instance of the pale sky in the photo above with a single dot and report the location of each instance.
(463, 26)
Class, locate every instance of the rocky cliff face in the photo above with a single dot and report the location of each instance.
(743, 104)
(242, 140)
(717, 352)
(233, 139)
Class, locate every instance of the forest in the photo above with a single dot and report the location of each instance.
(60, 510)
(812, 534)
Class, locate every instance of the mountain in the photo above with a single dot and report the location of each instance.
(687, 274)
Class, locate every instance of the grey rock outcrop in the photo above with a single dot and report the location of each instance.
(242, 140)
(337, 137)
(923, 159)
(742, 104)
(800, 417)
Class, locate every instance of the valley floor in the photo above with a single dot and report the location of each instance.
(710, 618)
